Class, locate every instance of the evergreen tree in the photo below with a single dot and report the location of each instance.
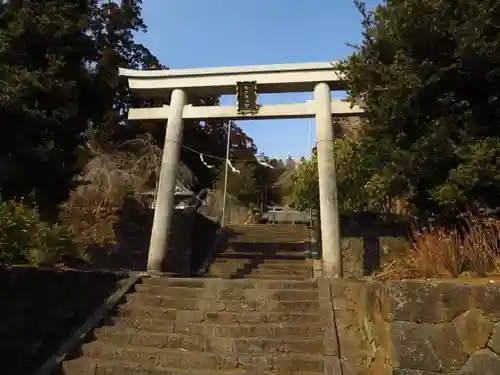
(43, 46)
(428, 73)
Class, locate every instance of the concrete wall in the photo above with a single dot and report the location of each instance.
(418, 327)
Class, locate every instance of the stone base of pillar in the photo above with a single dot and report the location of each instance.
(330, 269)
(155, 266)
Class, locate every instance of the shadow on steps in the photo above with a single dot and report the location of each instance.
(262, 251)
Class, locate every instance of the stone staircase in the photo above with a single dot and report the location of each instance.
(251, 325)
(264, 252)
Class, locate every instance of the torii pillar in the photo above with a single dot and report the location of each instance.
(165, 195)
(329, 210)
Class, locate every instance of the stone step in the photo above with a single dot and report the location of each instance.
(241, 274)
(274, 240)
(282, 271)
(135, 310)
(191, 327)
(298, 265)
(212, 284)
(267, 229)
(257, 263)
(263, 230)
(285, 241)
(256, 248)
(176, 359)
(212, 305)
(275, 331)
(237, 273)
(292, 265)
(164, 321)
(298, 257)
(270, 231)
(282, 245)
(270, 262)
(286, 226)
(270, 238)
(237, 270)
(248, 267)
(92, 366)
(211, 344)
(267, 246)
(267, 232)
(260, 268)
(260, 277)
(225, 293)
(292, 228)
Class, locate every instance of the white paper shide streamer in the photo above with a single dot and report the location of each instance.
(204, 162)
(263, 163)
(232, 167)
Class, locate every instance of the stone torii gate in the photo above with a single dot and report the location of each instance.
(244, 81)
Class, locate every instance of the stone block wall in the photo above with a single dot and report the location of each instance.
(364, 334)
(191, 241)
(418, 327)
(362, 256)
(204, 239)
(133, 233)
(178, 260)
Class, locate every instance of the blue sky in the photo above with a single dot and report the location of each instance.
(207, 33)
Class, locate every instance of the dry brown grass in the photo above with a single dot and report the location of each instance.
(472, 249)
(109, 177)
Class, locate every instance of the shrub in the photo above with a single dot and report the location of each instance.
(93, 220)
(471, 249)
(26, 239)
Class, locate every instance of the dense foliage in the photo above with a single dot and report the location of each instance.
(428, 75)
(58, 69)
(25, 238)
(358, 191)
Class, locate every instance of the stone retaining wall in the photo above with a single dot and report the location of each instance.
(418, 327)
(41, 308)
(370, 241)
(361, 256)
(192, 236)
